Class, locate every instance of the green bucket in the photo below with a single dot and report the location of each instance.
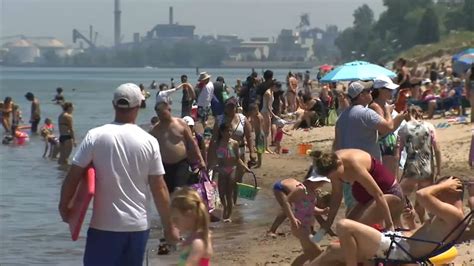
(247, 191)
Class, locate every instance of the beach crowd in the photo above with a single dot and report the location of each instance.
(385, 156)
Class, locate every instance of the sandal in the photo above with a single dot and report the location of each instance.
(163, 249)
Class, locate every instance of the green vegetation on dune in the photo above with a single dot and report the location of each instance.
(409, 27)
(449, 44)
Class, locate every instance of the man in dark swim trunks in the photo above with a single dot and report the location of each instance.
(176, 143)
(35, 111)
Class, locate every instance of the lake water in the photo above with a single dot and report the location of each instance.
(30, 227)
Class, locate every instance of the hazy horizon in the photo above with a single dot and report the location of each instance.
(258, 18)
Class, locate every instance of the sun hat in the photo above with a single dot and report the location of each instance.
(426, 81)
(189, 120)
(384, 82)
(355, 88)
(203, 76)
(128, 95)
(315, 177)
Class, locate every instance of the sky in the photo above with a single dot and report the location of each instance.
(245, 18)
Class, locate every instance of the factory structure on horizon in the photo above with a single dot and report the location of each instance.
(290, 45)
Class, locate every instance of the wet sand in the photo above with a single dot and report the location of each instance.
(244, 242)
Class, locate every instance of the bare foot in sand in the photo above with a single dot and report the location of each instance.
(226, 221)
(272, 235)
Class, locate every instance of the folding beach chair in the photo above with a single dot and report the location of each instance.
(440, 248)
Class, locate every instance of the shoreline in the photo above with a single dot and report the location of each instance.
(245, 242)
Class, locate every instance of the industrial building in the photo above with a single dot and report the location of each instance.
(29, 50)
(297, 45)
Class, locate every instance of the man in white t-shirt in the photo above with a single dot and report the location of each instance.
(128, 166)
(206, 92)
(164, 95)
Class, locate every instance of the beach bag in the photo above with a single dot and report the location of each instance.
(332, 117)
(207, 190)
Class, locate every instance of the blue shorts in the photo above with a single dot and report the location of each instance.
(115, 248)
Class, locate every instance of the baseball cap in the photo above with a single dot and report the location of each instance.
(384, 82)
(355, 88)
(189, 120)
(315, 177)
(29, 95)
(128, 95)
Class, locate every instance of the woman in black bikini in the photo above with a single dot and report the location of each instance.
(66, 133)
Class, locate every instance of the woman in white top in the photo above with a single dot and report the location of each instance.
(267, 113)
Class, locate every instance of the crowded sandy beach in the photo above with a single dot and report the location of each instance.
(359, 163)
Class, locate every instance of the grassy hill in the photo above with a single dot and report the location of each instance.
(449, 45)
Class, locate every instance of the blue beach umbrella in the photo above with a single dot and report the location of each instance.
(357, 70)
(463, 60)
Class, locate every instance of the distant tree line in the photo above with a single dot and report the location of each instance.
(402, 25)
(181, 54)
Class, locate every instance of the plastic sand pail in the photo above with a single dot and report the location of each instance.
(303, 148)
(284, 150)
(247, 191)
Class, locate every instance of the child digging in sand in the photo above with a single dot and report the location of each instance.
(281, 190)
(257, 124)
(190, 216)
(300, 207)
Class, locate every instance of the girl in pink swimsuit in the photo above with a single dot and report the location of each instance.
(228, 157)
(300, 208)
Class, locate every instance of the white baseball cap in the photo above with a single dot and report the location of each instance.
(128, 95)
(315, 177)
(384, 82)
(189, 120)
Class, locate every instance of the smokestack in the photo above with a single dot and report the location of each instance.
(117, 23)
(171, 15)
(90, 33)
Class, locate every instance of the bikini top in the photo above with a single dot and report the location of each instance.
(225, 152)
(238, 131)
